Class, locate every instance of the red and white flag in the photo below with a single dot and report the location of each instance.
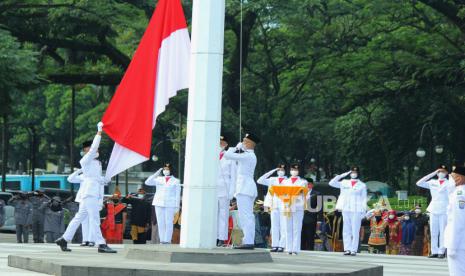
(159, 68)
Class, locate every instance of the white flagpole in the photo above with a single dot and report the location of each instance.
(199, 202)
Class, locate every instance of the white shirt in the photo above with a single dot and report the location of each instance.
(353, 198)
(92, 179)
(226, 177)
(299, 201)
(245, 184)
(271, 201)
(168, 192)
(439, 193)
(454, 238)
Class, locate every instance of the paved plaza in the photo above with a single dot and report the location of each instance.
(304, 262)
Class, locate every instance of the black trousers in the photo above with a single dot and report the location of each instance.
(308, 236)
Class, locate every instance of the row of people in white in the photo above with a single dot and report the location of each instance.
(440, 188)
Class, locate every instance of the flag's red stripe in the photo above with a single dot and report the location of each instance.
(128, 118)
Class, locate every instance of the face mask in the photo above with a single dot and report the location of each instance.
(140, 196)
(280, 173)
(391, 216)
(353, 175)
(82, 153)
(97, 155)
(406, 217)
(294, 173)
(221, 148)
(417, 211)
(442, 175)
(166, 172)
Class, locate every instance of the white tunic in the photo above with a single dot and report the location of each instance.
(353, 198)
(168, 192)
(454, 237)
(271, 201)
(245, 184)
(299, 201)
(92, 179)
(226, 177)
(439, 190)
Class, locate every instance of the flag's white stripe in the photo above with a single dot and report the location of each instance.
(173, 69)
(122, 159)
(173, 75)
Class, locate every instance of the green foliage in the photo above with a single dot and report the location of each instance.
(344, 82)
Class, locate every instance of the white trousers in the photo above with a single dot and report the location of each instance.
(223, 218)
(246, 218)
(456, 262)
(351, 230)
(165, 217)
(88, 211)
(437, 224)
(278, 228)
(293, 230)
(87, 235)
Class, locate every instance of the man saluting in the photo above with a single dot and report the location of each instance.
(246, 189)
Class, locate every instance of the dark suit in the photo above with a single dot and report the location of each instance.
(310, 221)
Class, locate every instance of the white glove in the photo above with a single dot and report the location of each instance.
(99, 126)
(239, 146)
(107, 180)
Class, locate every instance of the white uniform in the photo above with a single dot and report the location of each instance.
(273, 202)
(352, 202)
(455, 232)
(90, 195)
(439, 189)
(293, 228)
(246, 191)
(166, 201)
(77, 177)
(225, 192)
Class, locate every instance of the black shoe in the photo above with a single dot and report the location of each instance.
(280, 250)
(433, 256)
(289, 253)
(220, 243)
(245, 246)
(294, 253)
(103, 248)
(63, 244)
(85, 243)
(441, 256)
(346, 253)
(91, 244)
(274, 249)
(353, 253)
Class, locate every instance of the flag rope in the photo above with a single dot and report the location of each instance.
(240, 75)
